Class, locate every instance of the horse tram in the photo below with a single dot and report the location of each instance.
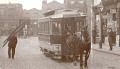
(53, 32)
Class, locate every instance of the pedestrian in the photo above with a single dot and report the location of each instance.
(12, 45)
(110, 39)
(114, 37)
(94, 36)
(103, 38)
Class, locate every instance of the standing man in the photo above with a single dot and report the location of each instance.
(12, 45)
(94, 36)
(110, 39)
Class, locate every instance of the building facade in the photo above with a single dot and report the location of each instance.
(54, 5)
(75, 4)
(107, 16)
(118, 16)
(9, 17)
(110, 8)
(33, 15)
(111, 14)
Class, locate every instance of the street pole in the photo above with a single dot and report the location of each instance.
(118, 11)
(118, 19)
(101, 28)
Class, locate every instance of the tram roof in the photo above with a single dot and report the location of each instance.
(68, 14)
(65, 14)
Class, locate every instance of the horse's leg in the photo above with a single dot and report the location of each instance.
(87, 56)
(81, 60)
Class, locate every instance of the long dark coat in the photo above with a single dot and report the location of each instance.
(110, 38)
(12, 41)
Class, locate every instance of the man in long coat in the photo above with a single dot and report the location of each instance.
(94, 36)
(12, 45)
(110, 39)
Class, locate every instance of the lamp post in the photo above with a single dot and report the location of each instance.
(101, 26)
(118, 10)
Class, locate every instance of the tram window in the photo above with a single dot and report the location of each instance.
(59, 26)
(39, 27)
(42, 28)
(56, 28)
(79, 26)
(45, 28)
(69, 27)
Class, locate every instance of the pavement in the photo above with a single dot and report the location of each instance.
(105, 47)
(29, 56)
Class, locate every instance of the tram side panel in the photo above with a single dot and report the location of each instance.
(58, 40)
(55, 37)
(44, 35)
(50, 42)
(68, 26)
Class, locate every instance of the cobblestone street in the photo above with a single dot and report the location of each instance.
(29, 56)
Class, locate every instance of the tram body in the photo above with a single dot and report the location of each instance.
(51, 34)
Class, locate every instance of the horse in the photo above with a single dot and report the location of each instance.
(81, 46)
(86, 47)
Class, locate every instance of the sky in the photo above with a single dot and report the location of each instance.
(28, 4)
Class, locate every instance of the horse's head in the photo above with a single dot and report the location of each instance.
(86, 35)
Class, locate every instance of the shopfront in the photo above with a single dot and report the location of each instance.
(111, 7)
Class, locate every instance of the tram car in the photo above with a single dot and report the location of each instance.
(51, 34)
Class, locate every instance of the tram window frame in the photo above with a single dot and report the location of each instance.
(44, 27)
(56, 28)
(79, 25)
